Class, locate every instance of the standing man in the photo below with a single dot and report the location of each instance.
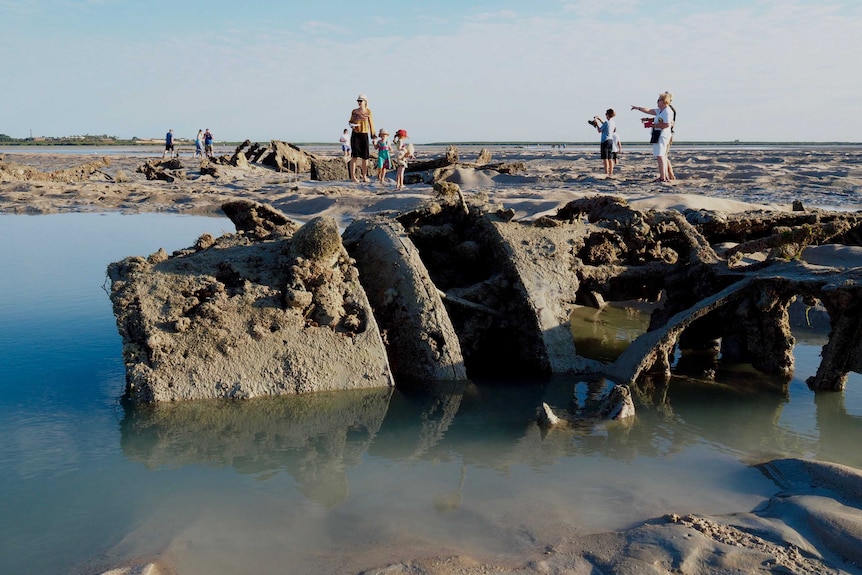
(169, 144)
(208, 143)
(362, 124)
(607, 129)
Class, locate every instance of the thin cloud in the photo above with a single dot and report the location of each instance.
(318, 27)
(504, 15)
(737, 72)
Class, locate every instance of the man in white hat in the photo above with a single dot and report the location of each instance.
(362, 124)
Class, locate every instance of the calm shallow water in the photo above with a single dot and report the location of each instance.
(334, 483)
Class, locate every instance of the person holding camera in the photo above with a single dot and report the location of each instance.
(661, 125)
(607, 129)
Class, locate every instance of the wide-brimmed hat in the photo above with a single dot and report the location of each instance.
(383, 131)
(401, 133)
(361, 97)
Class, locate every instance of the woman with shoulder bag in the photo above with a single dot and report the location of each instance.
(661, 133)
(362, 123)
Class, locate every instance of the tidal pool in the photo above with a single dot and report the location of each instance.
(338, 482)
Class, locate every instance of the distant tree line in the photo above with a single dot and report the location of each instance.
(85, 140)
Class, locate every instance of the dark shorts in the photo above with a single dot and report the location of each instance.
(607, 150)
(359, 145)
(169, 147)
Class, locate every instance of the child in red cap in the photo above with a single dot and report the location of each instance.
(403, 152)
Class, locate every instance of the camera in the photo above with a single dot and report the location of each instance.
(593, 123)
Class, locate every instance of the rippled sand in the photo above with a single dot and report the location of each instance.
(725, 178)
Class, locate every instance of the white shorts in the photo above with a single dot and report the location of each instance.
(660, 148)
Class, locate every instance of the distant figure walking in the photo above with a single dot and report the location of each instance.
(661, 132)
(345, 143)
(169, 144)
(362, 123)
(208, 143)
(607, 129)
(199, 144)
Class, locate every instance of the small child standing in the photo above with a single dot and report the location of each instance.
(403, 152)
(383, 159)
(345, 143)
(617, 149)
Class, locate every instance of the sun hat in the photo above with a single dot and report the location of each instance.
(361, 97)
(383, 131)
(401, 133)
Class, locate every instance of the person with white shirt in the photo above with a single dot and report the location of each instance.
(661, 133)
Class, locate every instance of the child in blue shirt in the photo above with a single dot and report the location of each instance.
(607, 129)
(383, 160)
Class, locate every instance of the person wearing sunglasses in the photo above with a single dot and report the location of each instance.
(362, 124)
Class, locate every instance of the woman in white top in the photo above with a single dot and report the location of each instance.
(662, 124)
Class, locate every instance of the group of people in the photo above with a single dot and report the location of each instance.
(358, 147)
(203, 144)
(662, 125)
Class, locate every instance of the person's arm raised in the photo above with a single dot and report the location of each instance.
(645, 110)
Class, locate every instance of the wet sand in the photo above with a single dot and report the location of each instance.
(730, 179)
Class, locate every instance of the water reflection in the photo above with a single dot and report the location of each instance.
(416, 422)
(839, 431)
(604, 334)
(315, 438)
(740, 418)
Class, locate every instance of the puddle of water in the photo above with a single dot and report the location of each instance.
(337, 483)
(605, 334)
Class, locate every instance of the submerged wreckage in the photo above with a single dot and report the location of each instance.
(457, 290)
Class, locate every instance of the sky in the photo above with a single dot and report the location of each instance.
(444, 70)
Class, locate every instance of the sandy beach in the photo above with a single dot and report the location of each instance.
(717, 178)
(813, 523)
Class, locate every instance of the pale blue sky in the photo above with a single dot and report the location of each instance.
(763, 70)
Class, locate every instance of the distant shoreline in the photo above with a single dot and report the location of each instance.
(149, 143)
(645, 143)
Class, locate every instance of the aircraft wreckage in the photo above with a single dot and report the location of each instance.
(457, 290)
